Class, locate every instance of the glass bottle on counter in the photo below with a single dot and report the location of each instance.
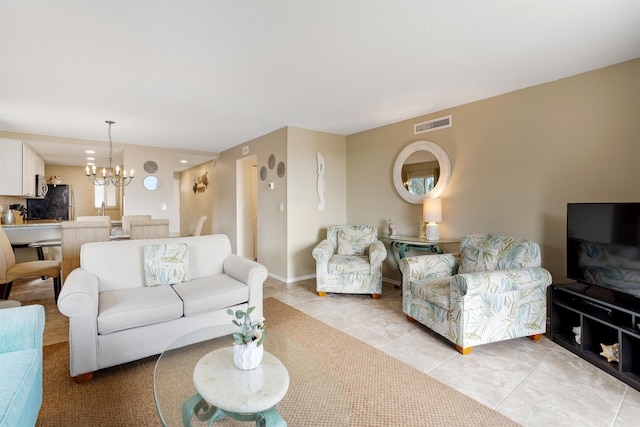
(8, 217)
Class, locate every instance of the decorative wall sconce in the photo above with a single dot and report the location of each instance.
(201, 183)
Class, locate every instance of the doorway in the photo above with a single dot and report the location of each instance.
(247, 207)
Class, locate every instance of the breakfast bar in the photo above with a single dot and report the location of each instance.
(39, 234)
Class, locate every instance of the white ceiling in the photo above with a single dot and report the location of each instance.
(209, 75)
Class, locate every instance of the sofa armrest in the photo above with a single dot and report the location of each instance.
(78, 300)
(377, 254)
(500, 281)
(323, 251)
(21, 328)
(250, 272)
(79, 295)
(428, 267)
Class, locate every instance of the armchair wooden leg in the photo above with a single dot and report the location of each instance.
(83, 378)
(375, 296)
(465, 350)
(411, 319)
(322, 294)
(535, 337)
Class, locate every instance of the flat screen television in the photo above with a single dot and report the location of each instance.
(603, 245)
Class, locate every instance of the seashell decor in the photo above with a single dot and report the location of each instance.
(611, 352)
(578, 333)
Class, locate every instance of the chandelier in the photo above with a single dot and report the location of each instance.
(110, 175)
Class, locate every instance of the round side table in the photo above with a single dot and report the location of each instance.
(227, 391)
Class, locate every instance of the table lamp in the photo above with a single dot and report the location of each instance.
(432, 214)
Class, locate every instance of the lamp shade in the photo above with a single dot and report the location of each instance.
(432, 210)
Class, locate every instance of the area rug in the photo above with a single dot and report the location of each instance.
(379, 390)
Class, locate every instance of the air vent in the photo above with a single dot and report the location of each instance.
(442, 122)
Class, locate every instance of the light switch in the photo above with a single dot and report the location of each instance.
(281, 207)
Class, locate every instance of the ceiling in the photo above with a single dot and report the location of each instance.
(208, 76)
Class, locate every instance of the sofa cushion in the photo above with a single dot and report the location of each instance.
(436, 291)
(211, 293)
(19, 375)
(130, 308)
(339, 264)
(166, 264)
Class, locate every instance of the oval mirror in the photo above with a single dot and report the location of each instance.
(422, 169)
(151, 182)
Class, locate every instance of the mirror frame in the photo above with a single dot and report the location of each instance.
(445, 170)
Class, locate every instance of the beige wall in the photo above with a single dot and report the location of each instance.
(517, 159)
(193, 204)
(285, 239)
(272, 229)
(306, 224)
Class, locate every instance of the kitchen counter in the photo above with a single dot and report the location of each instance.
(34, 230)
(33, 223)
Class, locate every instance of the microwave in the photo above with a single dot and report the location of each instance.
(41, 186)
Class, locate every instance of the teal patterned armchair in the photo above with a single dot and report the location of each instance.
(493, 290)
(350, 260)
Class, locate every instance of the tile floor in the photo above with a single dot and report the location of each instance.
(533, 383)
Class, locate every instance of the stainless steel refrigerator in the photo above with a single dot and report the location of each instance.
(59, 203)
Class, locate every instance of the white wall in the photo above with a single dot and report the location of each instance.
(158, 203)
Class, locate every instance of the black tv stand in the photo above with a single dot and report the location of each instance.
(604, 316)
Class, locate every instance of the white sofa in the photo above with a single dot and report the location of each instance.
(114, 317)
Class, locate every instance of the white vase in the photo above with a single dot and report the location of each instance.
(247, 356)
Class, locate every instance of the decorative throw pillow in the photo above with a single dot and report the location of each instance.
(352, 241)
(475, 260)
(344, 243)
(166, 264)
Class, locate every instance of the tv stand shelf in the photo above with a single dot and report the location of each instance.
(603, 316)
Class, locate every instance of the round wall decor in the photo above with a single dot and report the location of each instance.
(263, 173)
(150, 166)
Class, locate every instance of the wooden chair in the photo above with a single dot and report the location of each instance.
(10, 271)
(149, 229)
(126, 222)
(195, 228)
(74, 234)
(102, 218)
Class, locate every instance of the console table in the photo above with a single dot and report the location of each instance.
(401, 244)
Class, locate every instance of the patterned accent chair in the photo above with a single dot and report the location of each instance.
(350, 260)
(493, 290)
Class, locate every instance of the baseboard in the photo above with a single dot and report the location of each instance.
(313, 276)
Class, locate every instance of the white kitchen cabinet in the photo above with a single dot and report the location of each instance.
(19, 165)
(28, 171)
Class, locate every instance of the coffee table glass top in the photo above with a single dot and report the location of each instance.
(313, 399)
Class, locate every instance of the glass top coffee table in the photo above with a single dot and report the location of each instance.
(313, 397)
